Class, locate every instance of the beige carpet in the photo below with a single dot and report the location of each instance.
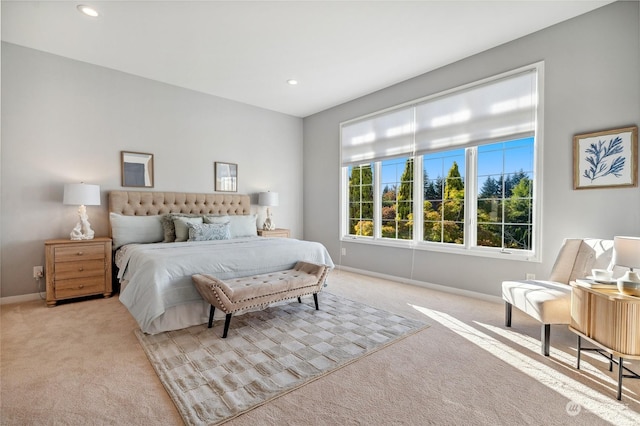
(80, 364)
(266, 354)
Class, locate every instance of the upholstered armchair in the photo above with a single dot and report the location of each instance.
(549, 301)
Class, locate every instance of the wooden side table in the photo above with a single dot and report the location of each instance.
(610, 321)
(76, 268)
(278, 233)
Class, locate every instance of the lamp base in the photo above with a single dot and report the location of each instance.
(268, 225)
(82, 230)
(268, 222)
(629, 284)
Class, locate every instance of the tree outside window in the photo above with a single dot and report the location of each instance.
(361, 200)
(397, 198)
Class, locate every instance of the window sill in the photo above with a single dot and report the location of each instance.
(476, 251)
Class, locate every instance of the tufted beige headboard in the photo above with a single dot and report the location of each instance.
(148, 203)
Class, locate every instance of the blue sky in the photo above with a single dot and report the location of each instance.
(511, 157)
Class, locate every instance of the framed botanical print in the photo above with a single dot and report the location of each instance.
(606, 159)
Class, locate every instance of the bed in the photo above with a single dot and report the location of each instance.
(154, 258)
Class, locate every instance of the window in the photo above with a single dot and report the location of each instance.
(505, 197)
(463, 162)
(397, 198)
(444, 196)
(361, 200)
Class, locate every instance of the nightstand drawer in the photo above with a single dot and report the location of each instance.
(79, 252)
(86, 268)
(79, 287)
(274, 233)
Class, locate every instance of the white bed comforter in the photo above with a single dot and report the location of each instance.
(159, 275)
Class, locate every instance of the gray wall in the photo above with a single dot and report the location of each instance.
(65, 121)
(592, 82)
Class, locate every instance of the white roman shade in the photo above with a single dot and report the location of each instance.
(491, 111)
(385, 135)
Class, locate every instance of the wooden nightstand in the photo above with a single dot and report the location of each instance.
(278, 233)
(76, 268)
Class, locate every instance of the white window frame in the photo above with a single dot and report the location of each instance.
(471, 186)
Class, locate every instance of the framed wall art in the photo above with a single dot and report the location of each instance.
(137, 169)
(226, 177)
(606, 159)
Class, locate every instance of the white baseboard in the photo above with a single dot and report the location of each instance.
(19, 299)
(453, 290)
(443, 288)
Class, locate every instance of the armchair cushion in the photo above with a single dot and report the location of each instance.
(547, 301)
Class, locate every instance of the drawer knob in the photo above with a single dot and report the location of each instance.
(80, 253)
(81, 286)
(81, 269)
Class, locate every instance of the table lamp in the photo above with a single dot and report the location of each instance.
(81, 194)
(268, 199)
(626, 253)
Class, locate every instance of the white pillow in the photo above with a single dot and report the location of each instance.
(216, 219)
(243, 225)
(135, 229)
(182, 230)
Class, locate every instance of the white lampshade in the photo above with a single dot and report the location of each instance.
(78, 194)
(626, 251)
(268, 199)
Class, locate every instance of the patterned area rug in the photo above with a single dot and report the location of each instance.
(266, 354)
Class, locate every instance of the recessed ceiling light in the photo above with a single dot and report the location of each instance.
(292, 82)
(88, 10)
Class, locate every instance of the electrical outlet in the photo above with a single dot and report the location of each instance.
(529, 276)
(38, 272)
(343, 251)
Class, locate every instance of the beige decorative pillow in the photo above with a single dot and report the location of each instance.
(169, 227)
(182, 230)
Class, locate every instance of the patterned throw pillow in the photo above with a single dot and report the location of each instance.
(209, 231)
(169, 227)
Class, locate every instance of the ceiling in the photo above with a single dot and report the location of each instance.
(247, 50)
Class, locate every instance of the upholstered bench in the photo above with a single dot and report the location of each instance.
(258, 291)
(549, 301)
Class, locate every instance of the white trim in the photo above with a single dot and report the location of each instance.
(20, 299)
(438, 287)
(495, 253)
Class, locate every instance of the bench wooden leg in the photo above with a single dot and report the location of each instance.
(211, 311)
(507, 314)
(227, 321)
(315, 299)
(546, 331)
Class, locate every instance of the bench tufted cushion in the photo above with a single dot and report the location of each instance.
(260, 290)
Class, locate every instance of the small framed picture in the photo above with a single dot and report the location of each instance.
(226, 177)
(137, 169)
(606, 159)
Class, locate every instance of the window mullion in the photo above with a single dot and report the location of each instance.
(470, 197)
(377, 200)
(418, 198)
